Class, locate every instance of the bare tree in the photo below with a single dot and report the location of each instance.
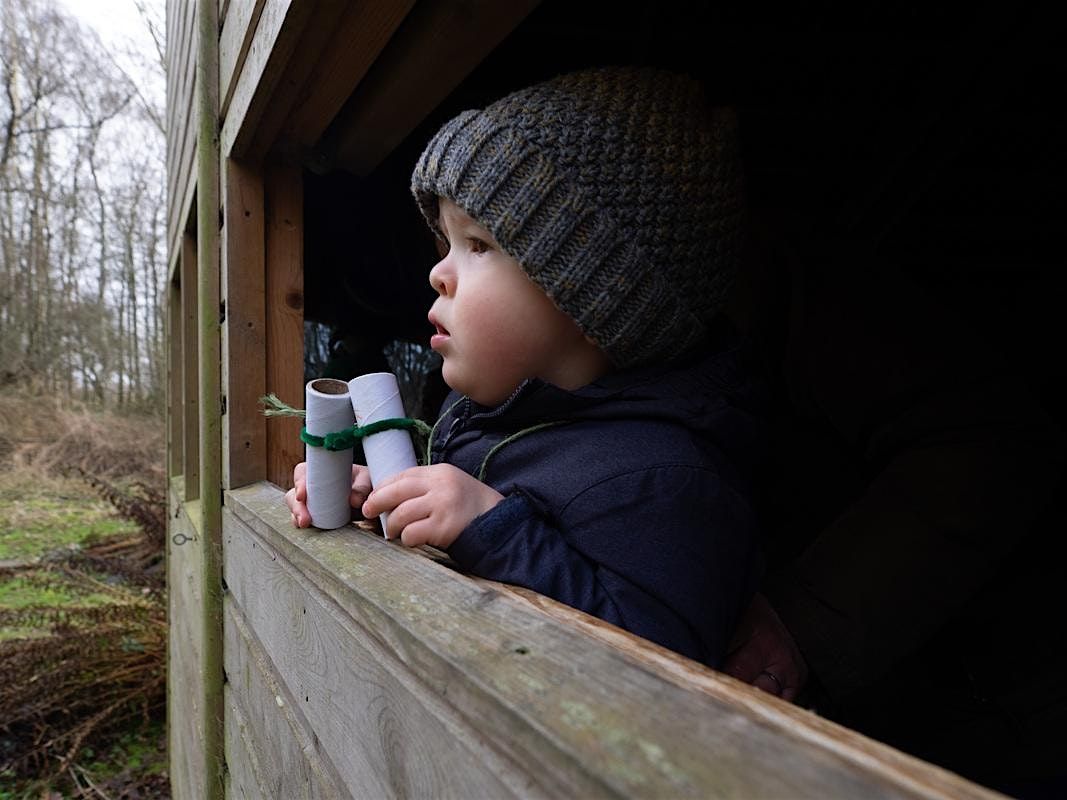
(81, 208)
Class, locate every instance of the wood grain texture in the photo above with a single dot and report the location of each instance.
(284, 202)
(360, 34)
(238, 28)
(180, 116)
(440, 42)
(174, 379)
(185, 726)
(355, 706)
(244, 338)
(276, 35)
(266, 724)
(190, 397)
(581, 716)
(292, 82)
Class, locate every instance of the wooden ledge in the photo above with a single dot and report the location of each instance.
(552, 701)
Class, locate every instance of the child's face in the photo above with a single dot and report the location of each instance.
(496, 327)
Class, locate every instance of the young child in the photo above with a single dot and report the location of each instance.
(596, 445)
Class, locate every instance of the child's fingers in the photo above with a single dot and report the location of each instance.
(392, 493)
(418, 532)
(361, 484)
(298, 511)
(407, 513)
(300, 490)
(300, 472)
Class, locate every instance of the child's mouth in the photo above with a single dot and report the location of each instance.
(440, 336)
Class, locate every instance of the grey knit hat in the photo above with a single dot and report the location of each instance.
(617, 190)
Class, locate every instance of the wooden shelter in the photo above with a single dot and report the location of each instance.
(312, 664)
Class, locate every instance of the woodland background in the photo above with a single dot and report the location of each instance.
(82, 376)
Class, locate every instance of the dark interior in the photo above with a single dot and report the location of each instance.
(894, 140)
(928, 136)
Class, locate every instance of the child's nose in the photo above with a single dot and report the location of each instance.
(438, 278)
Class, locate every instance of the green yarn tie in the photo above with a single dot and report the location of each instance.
(343, 440)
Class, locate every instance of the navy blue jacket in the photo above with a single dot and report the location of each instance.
(635, 507)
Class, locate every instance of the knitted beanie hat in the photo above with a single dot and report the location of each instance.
(617, 190)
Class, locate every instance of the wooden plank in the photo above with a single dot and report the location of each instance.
(238, 28)
(269, 728)
(439, 44)
(284, 202)
(244, 343)
(174, 379)
(184, 681)
(338, 66)
(295, 79)
(242, 761)
(181, 75)
(190, 372)
(188, 196)
(179, 26)
(533, 685)
(180, 204)
(209, 294)
(358, 712)
(277, 33)
(181, 140)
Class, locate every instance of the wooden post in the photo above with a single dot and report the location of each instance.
(190, 396)
(244, 433)
(174, 379)
(284, 191)
(208, 296)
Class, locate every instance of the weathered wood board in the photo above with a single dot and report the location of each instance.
(180, 119)
(415, 680)
(184, 681)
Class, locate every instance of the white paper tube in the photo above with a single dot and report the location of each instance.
(329, 473)
(376, 396)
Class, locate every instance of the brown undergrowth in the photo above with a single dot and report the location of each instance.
(84, 671)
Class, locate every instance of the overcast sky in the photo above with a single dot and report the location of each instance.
(120, 25)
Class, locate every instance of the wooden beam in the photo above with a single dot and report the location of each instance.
(284, 195)
(238, 28)
(244, 340)
(360, 34)
(190, 396)
(438, 45)
(294, 80)
(184, 641)
(208, 354)
(174, 379)
(277, 33)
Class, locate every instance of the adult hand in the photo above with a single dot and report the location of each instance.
(430, 505)
(297, 497)
(764, 654)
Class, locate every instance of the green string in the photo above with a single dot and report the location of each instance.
(492, 452)
(343, 440)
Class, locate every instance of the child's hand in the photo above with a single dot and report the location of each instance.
(296, 498)
(430, 505)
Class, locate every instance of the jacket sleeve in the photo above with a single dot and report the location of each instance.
(645, 551)
(959, 459)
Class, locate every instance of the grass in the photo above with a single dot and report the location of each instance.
(38, 516)
(33, 523)
(96, 630)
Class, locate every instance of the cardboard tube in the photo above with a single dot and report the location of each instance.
(376, 396)
(329, 475)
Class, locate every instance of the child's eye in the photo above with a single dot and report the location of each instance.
(477, 245)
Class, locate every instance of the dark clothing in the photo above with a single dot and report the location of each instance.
(634, 507)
